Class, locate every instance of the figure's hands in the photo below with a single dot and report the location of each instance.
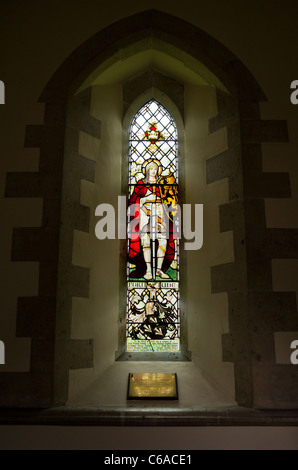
(150, 197)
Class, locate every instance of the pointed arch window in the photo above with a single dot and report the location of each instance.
(152, 311)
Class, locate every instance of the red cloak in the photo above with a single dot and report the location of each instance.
(135, 250)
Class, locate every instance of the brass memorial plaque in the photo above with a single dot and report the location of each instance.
(152, 386)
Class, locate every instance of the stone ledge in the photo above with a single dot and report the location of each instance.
(158, 356)
(144, 416)
(28, 244)
(36, 316)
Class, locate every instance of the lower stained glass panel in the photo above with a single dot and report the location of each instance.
(152, 312)
(153, 345)
(152, 322)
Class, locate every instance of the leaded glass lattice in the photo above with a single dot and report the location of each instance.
(152, 320)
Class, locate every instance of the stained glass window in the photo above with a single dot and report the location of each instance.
(153, 318)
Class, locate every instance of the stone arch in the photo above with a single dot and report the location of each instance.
(247, 280)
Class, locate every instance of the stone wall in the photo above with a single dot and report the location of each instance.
(260, 306)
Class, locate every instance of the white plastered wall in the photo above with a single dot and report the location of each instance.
(206, 380)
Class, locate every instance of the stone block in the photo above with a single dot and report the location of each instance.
(48, 278)
(42, 357)
(36, 317)
(249, 109)
(227, 112)
(78, 216)
(236, 187)
(34, 135)
(223, 165)
(251, 156)
(238, 314)
(55, 113)
(272, 243)
(262, 348)
(31, 184)
(80, 353)
(134, 87)
(247, 87)
(272, 311)
(243, 384)
(79, 281)
(236, 348)
(254, 214)
(227, 278)
(51, 213)
(79, 117)
(282, 343)
(231, 215)
(26, 389)
(51, 153)
(234, 134)
(275, 386)
(259, 275)
(35, 244)
(265, 185)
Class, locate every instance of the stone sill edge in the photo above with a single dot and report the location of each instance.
(113, 416)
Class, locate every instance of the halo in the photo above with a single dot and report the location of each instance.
(151, 160)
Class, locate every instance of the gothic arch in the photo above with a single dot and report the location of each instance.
(171, 105)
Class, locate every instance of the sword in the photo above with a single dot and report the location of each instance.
(153, 215)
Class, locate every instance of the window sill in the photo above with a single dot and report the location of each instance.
(153, 356)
